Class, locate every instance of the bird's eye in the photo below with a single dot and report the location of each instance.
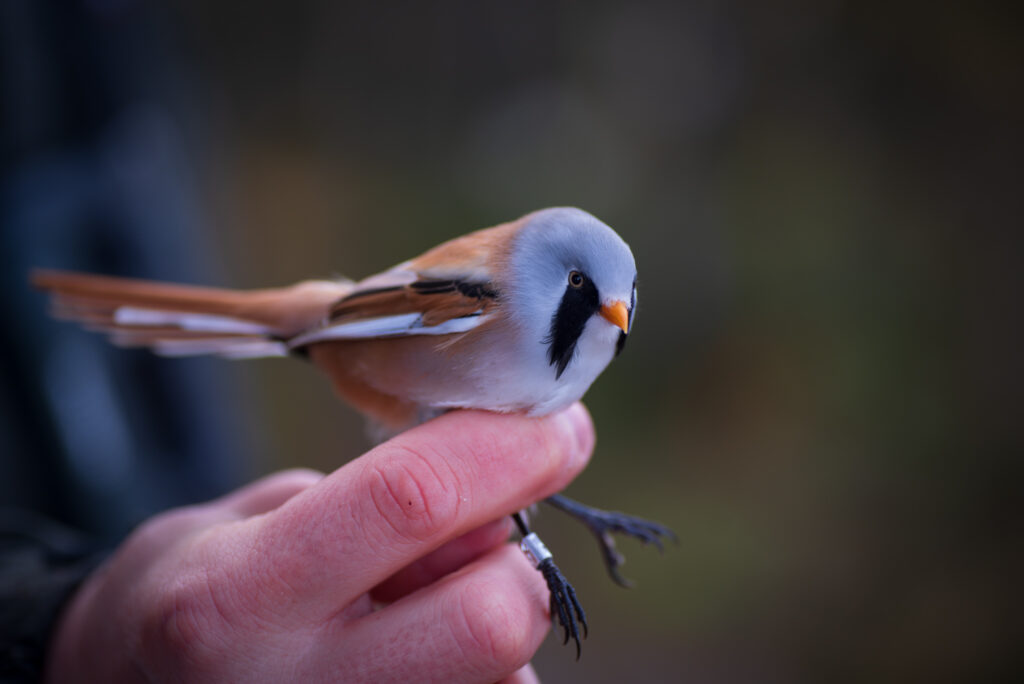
(576, 279)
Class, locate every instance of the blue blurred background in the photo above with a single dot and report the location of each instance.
(822, 393)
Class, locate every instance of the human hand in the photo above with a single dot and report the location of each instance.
(277, 581)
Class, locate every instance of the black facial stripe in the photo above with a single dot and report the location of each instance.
(576, 308)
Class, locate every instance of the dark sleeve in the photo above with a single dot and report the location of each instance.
(41, 565)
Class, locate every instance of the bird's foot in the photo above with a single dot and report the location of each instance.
(603, 524)
(565, 607)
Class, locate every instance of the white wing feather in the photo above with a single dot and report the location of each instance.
(388, 326)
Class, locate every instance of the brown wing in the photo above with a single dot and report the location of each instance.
(436, 300)
(457, 278)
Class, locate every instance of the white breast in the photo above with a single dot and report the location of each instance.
(517, 375)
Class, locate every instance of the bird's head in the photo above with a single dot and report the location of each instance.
(573, 289)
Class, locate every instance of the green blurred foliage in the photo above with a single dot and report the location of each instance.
(819, 396)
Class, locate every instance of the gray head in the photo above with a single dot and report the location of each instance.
(573, 285)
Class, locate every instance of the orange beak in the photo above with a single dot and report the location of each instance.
(617, 314)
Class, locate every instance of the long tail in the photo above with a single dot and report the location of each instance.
(183, 320)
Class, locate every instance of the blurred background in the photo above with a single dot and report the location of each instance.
(822, 392)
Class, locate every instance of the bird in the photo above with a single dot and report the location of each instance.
(519, 317)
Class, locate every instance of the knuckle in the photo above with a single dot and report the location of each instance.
(177, 628)
(153, 533)
(197, 623)
(492, 628)
(300, 475)
(416, 498)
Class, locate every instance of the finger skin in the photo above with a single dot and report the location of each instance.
(480, 624)
(269, 492)
(443, 561)
(205, 594)
(524, 675)
(97, 638)
(409, 496)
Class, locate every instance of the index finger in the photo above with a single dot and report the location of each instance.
(405, 498)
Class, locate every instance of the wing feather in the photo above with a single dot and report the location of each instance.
(450, 289)
(183, 320)
(421, 308)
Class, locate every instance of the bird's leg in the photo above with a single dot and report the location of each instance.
(565, 608)
(602, 524)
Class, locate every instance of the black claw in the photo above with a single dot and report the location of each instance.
(612, 560)
(602, 524)
(565, 607)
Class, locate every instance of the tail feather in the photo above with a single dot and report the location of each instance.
(184, 320)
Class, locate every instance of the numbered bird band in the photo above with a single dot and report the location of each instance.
(534, 549)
